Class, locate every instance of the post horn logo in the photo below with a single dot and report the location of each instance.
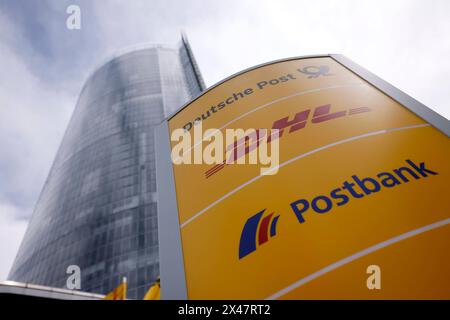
(314, 71)
(255, 232)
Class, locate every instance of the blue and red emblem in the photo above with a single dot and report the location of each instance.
(251, 234)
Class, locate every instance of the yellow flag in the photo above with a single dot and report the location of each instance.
(154, 293)
(119, 293)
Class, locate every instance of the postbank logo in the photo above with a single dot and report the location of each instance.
(257, 231)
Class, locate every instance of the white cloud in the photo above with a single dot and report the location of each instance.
(11, 233)
(33, 119)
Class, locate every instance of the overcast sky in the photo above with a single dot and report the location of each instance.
(44, 65)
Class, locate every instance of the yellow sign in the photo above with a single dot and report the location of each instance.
(357, 209)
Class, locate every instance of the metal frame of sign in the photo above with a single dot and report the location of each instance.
(172, 273)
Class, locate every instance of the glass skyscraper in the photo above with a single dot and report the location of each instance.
(98, 207)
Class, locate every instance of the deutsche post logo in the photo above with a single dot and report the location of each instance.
(257, 231)
(314, 71)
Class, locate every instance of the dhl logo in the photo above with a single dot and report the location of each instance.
(243, 146)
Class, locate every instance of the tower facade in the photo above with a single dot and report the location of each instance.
(98, 207)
